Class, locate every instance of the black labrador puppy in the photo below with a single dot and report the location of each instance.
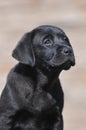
(33, 98)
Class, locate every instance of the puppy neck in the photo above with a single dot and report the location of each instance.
(48, 76)
(41, 76)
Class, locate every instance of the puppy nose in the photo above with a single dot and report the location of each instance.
(67, 51)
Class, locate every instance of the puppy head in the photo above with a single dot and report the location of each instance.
(47, 47)
(52, 48)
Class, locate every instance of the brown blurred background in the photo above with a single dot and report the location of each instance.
(20, 16)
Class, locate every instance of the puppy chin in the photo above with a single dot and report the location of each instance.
(67, 65)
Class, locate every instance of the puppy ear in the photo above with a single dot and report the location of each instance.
(24, 51)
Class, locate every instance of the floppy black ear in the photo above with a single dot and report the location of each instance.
(24, 51)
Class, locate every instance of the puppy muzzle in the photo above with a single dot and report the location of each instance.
(68, 52)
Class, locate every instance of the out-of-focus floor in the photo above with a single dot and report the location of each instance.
(20, 16)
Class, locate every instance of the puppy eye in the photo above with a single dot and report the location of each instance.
(66, 39)
(48, 42)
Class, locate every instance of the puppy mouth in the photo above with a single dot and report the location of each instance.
(67, 65)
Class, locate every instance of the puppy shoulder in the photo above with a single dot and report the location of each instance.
(15, 78)
(12, 75)
(19, 81)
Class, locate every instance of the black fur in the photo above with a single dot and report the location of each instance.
(33, 98)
